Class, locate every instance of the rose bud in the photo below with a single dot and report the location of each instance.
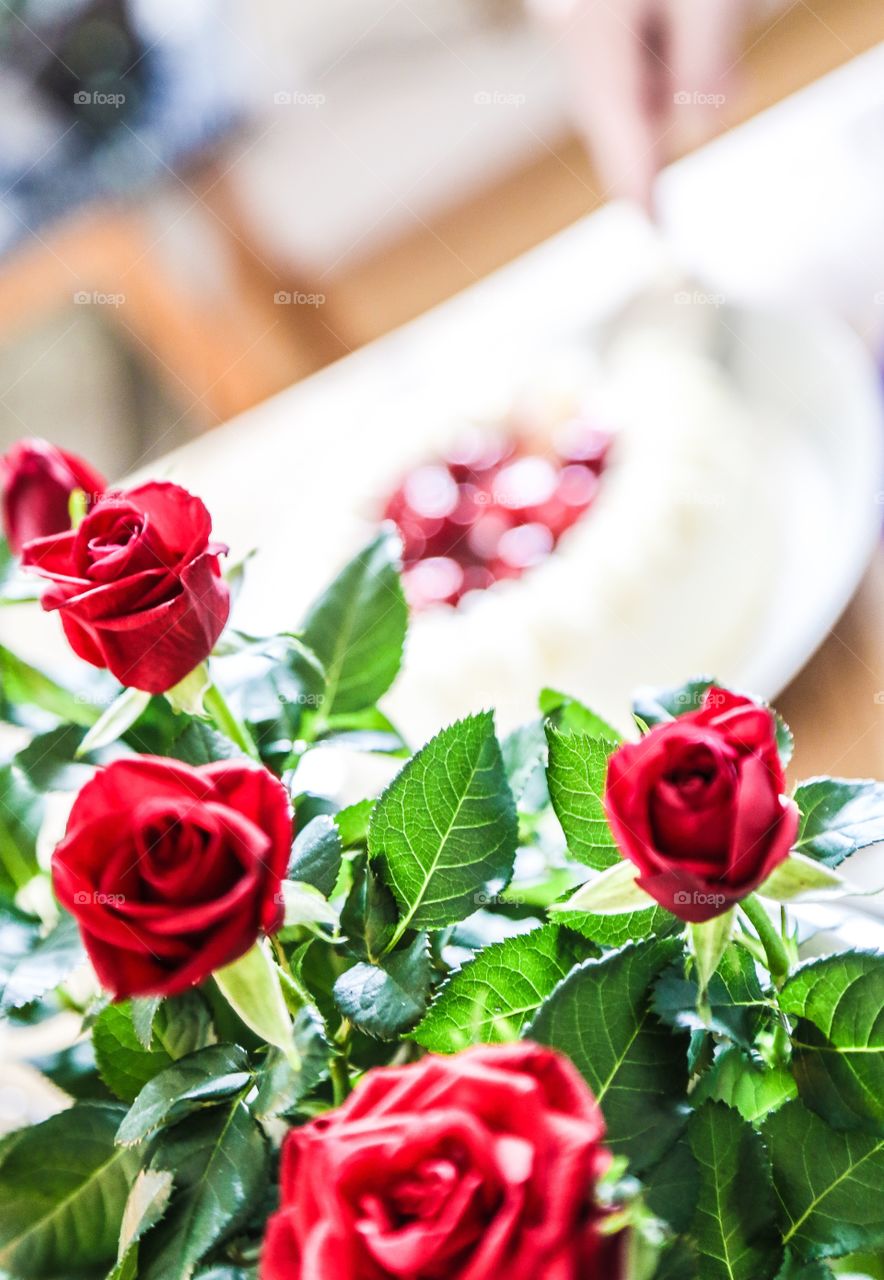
(36, 481)
(138, 585)
(173, 871)
(472, 1167)
(698, 806)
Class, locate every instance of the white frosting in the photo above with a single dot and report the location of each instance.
(662, 579)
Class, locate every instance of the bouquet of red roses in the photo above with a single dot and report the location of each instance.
(538, 1009)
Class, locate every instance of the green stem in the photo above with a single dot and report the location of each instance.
(220, 711)
(774, 947)
(339, 1066)
(340, 1078)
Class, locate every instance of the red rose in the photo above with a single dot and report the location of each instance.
(474, 1167)
(173, 871)
(138, 585)
(698, 806)
(37, 481)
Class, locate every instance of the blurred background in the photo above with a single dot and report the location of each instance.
(203, 202)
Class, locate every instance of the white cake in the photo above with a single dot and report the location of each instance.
(663, 577)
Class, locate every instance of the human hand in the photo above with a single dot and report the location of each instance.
(647, 75)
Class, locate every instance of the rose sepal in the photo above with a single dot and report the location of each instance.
(78, 506)
(252, 988)
(802, 879)
(113, 722)
(610, 893)
(708, 942)
(305, 906)
(188, 695)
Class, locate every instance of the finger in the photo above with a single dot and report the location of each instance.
(615, 69)
(703, 52)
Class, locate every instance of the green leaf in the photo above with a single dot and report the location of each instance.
(746, 1084)
(801, 879)
(63, 1186)
(735, 1005)
(280, 1086)
(251, 986)
(576, 774)
(828, 1183)
(145, 1206)
(272, 683)
(839, 816)
(387, 998)
(525, 755)
(794, 1269)
(659, 705)
(600, 1017)
(121, 715)
(50, 761)
(569, 715)
(785, 741)
(123, 1063)
(72, 1069)
(612, 892)
(143, 1010)
(199, 744)
(125, 1066)
(369, 915)
(357, 627)
(219, 1160)
(734, 1225)
(708, 942)
(200, 1079)
(445, 829)
(21, 815)
(860, 1266)
(613, 931)
(671, 1187)
(51, 961)
(227, 1273)
(678, 1261)
(491, 998)
(838, 1041)
(19, 933)
(366, 730)
(22, 683)
(316, 855)
(352, 823)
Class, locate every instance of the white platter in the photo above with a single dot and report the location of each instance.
(297, 478)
